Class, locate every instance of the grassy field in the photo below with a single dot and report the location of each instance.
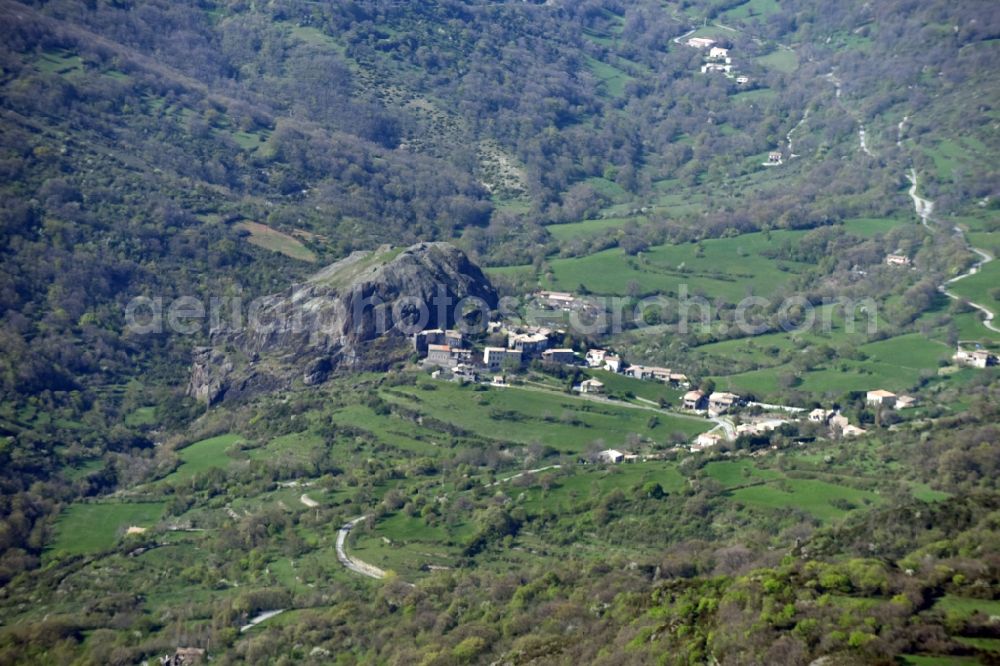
(141, 416)
(618, 385)
(265, 237)
(608, 188)
(204, 455)
(730, 268)
(612, 78)
(781, 60)
(762, 95)
(738, 473)
(750, 9)
(867, 227)
(763, 350)
(964, 607)
(296, 445)
(90, 528)
(83, 469)
(512, 272)
(405, 544)
(813, 497)
(60, 62)
(950, 154)
(250, 141)
(566, 423)
(986, 644)
(981, 287)
(896, 364)
(570, 230)
(394, 432)
(986, 240)
(970, 329)
(598, 480)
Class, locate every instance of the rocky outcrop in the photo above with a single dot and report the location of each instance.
(209, 375)
(355, 314)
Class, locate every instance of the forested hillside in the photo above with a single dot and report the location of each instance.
(170, 148)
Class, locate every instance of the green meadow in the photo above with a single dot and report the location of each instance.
(570, 230)
(566, 423)
(618, 386)
(267, 238)
(750, 9)
(963, 607)
(872, 226)
(204, 455)
(782, 60)
(407, 544)
(896, 364)
(595, 481)
(729, 268)
(142, 416)
(813, 497)
(982, 288)
(296, 446)
(397, 433)
(91, 528)
(738, 473)
(612, 79)
(753, 96)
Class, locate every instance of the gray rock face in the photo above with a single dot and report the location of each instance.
(209, 375)
(355, 314)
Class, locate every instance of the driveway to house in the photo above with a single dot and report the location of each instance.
(726, 425)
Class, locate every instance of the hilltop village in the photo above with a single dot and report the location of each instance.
(508, 352)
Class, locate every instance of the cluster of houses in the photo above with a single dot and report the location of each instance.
(447, 349)
(889, 400)
(606, 360)
(448, 352)
(716, 403)
(717, 59)
(978, 358)
(836, 421)
(719, 402)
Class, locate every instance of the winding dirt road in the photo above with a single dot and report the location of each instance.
(352, 564)
(925, 209)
